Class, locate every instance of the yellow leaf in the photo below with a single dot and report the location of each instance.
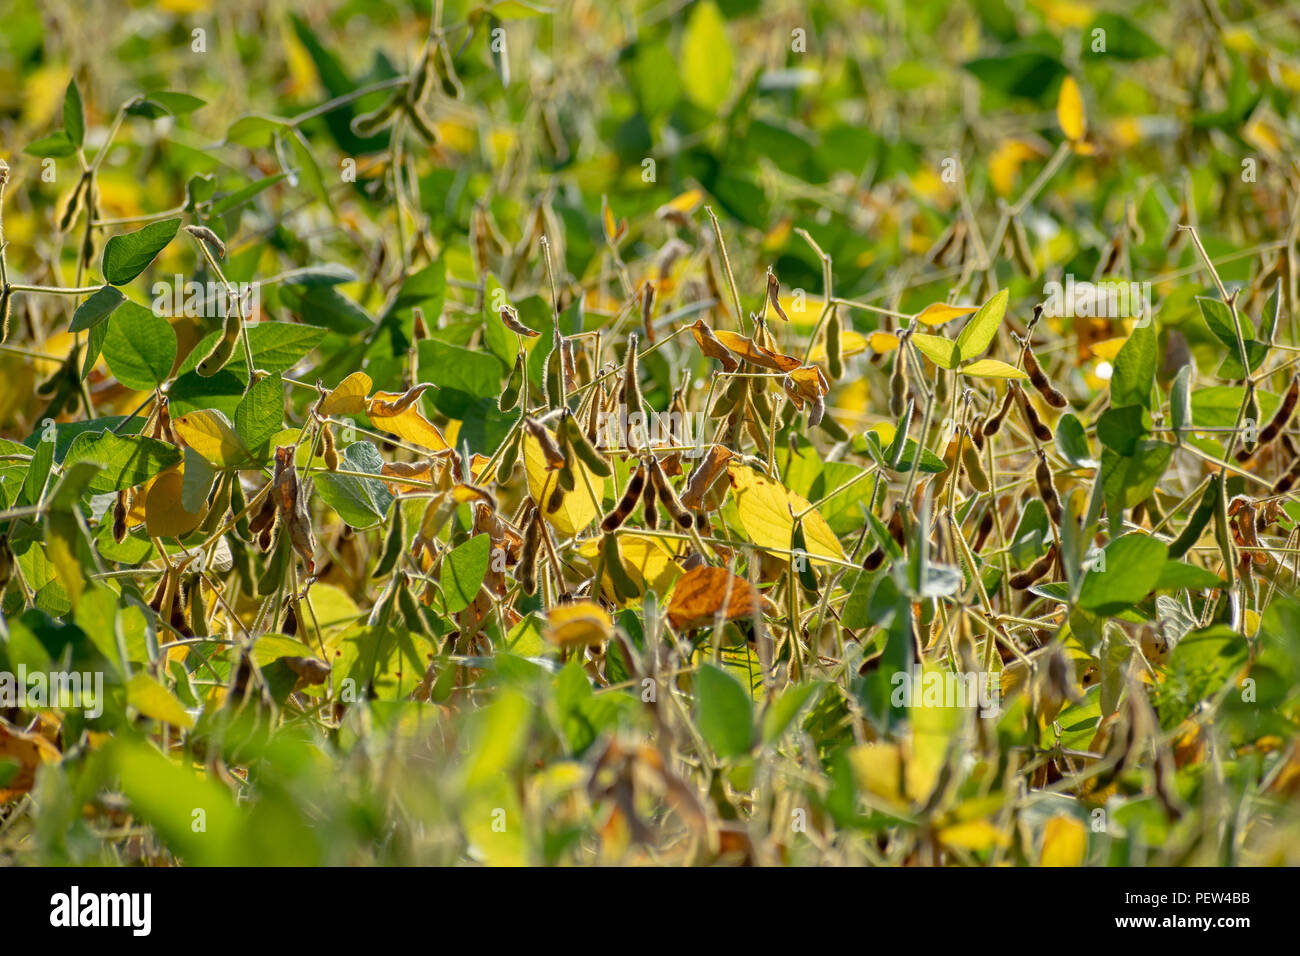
(1107, 349)
(155, 701)
(767, 509)
(165, 517)
(408, 424)
(992, 368)
(210, 434)
(1065, 841)
(685, 204)
(348, 396)
(1006, 161)
(579, 506)
(851, 343)
(1069, 111)
(578, 624)
(973, 835)
(646, 557)
(941, 312)
(883, 342)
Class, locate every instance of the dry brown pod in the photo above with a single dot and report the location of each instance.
(627, 504)
(1023, 579)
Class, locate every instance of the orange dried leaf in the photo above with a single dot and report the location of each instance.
(704, 595)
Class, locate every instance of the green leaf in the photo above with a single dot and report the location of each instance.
(1072, 442)
(74, 115)
(96, 309)
(1176, 575)
(127, 255)
(361, 502)
(1135, 369)
(463, 570)
(992, 368)
(124, 460)
(155, 701)
(139, 347)
(1121, 429)
(1126, 480)
(983, 325)
(1132, 568)
(942, 352)
(723, 712)
(1125, 40)
(782, 712)
(56, 145)
(707, 61)
(165, 102)
(277, 347)
(1219, 318)
(308, 168)
(261, 412)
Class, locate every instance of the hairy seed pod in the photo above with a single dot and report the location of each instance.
(368, 124)
(1024, 256)
(1288, 479)
(1281, 418)
(509, 456)
(119, 517)
(6, 309)
(1036, 425)
(774, 295)
(630, 396)
(555, 499)
(401, 403)
(421, 76)
(582, 447)
(409, 608)
(514, 385)
(627, 503)
(510, 319)
(650, 506)
(392, 544)
(977, 433)
(1046, 490)
(970, 459)
(982, 532)
(647, 310)
(994, 422)
(209, 238)
(1038, 378)
(834, 345)
(874, 559)
(420, 123)
(1023, 579)
(223, 348)
(526, 569)
(550, 450)
(816, 411)
(330, 451)
(898, 384)
(624, 587)
(73, 205)
(669, 497)
(553, 376)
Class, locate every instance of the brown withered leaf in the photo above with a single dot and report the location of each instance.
(400, 415)
(703, 594)
(29, 751)
(705, 474)
(756, 354)
(712, 347)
